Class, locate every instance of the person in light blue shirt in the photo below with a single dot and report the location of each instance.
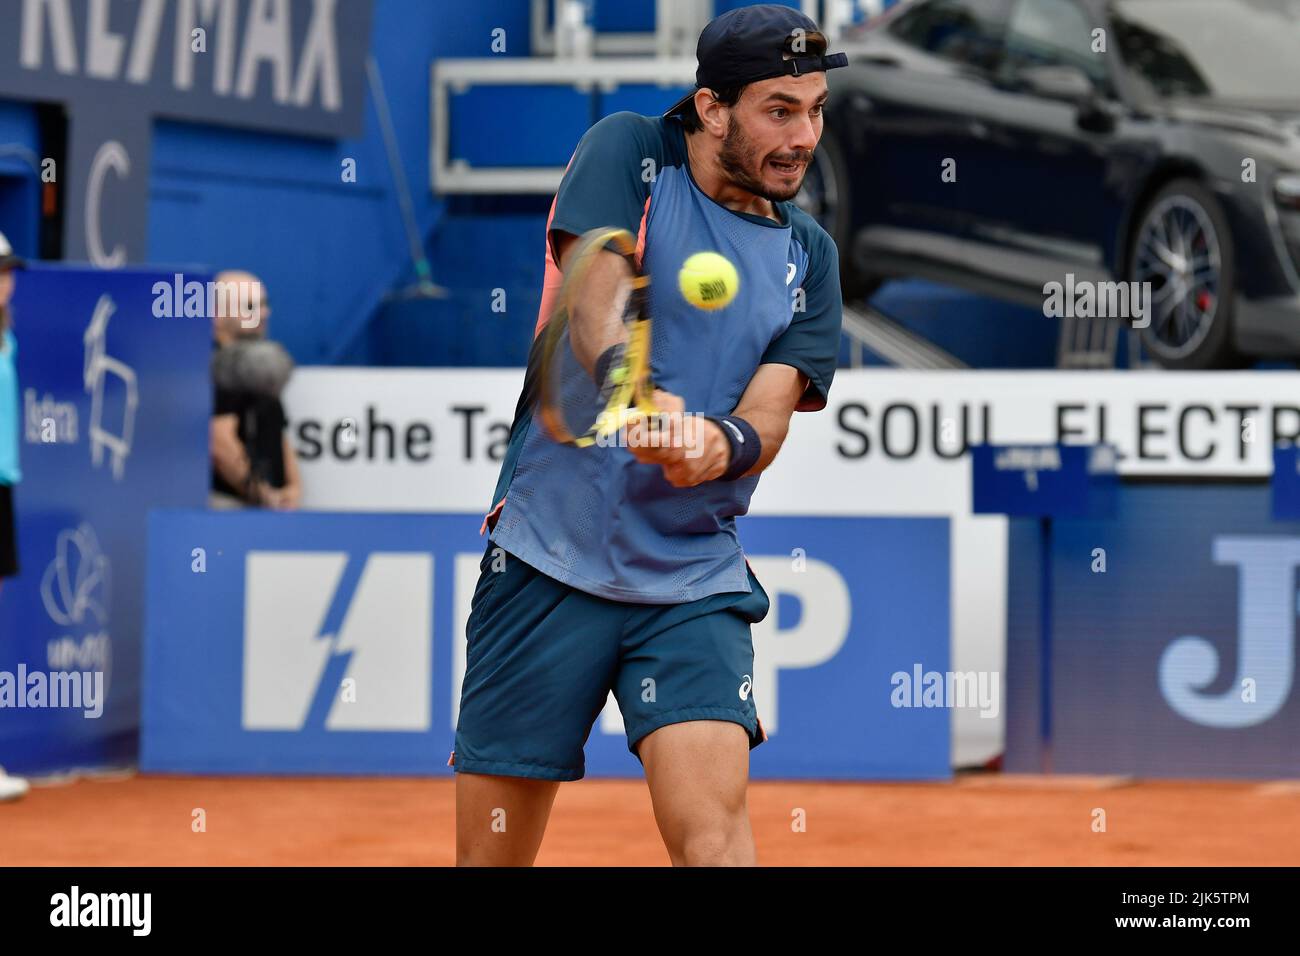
(11, 788)
(10, 474)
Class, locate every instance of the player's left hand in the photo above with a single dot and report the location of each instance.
(689, 449)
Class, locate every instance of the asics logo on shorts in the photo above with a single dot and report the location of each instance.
(745, 686)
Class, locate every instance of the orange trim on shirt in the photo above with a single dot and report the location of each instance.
(492, 516)
(551, 280)
(640, 235)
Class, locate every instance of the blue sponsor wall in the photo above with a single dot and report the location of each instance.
(1043, 481)
(237, 681)
(1177, 660)
(113, 421)
(330, 251)
(335, 255)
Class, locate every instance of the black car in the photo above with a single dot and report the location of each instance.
(1002, 145)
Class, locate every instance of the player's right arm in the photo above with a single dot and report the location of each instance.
(605, 185)
(593, 302)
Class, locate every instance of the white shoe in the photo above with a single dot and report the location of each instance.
(11, 788)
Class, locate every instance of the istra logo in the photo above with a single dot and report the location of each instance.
(337, 641)
(1266, 616)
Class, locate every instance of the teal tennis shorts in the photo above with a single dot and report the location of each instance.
(542, 658)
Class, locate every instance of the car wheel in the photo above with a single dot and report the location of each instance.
(1183, 248)
(825, 196)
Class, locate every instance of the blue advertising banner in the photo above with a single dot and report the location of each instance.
(296, 66)
(1173, 638)
(334, 643)
(113, 412)
(1074, 481)
(1286, 483)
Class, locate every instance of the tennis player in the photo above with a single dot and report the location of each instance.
(619, 568)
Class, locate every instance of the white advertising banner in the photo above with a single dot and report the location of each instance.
(891, 442)
(400, 439)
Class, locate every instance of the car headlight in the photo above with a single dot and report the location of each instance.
(1286, 191)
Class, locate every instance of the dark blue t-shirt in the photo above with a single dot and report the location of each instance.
(596, 518)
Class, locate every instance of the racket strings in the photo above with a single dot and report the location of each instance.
(574, 407)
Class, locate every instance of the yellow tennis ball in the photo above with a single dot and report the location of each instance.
(708, 281)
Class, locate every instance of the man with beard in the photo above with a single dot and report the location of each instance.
(619, 568)
(253, 461)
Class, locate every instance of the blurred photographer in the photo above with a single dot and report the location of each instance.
(253, 463)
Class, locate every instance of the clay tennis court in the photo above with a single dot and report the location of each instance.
(979, 819)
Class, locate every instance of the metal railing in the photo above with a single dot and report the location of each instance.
(870, 330)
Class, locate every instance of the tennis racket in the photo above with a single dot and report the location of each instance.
(594, 370)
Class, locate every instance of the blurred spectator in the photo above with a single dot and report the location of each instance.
(11, 788)
(253, 463)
